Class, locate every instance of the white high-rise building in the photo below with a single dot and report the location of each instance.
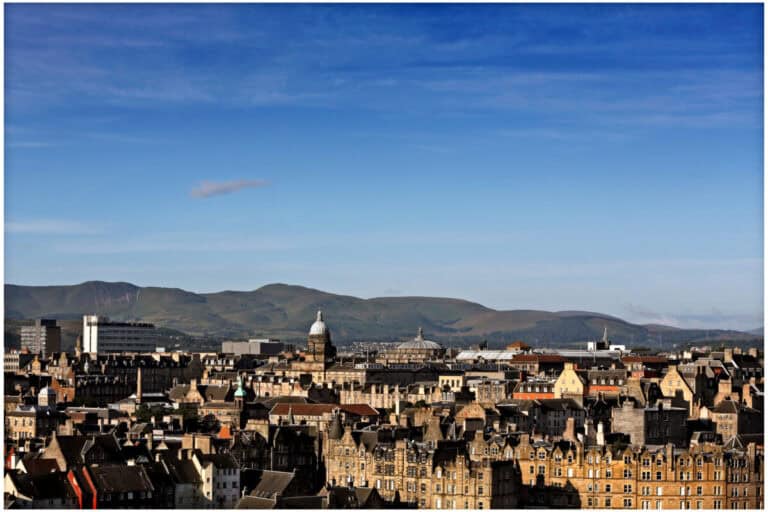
(100, 335)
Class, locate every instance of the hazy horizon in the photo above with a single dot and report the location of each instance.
(604, 158)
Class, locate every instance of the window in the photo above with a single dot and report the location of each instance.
(607, 487)
(627, 502)
(627, 488)
(607, 502)
(480, 490)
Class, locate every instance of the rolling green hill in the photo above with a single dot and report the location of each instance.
(285, 311)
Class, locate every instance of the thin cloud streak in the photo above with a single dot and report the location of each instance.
(51, 227)
(213, 188)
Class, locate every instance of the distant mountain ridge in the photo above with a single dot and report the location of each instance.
(286, 311)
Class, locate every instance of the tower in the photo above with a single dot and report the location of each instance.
(240, 393)
(319, 346)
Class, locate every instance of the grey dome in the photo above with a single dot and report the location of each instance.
(419, 343)
(319, 327)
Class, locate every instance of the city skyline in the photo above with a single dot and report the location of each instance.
(604, 158)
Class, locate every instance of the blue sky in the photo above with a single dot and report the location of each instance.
(604, 158)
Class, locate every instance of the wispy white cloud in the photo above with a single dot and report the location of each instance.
(214, 188)
(51, 227)
(29, 144)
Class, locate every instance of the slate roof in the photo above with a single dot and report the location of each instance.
(726, 407)
(254, 502)
(181, 471)
(43, 486)
(120, 478)
(39, 466)
(303, 502)
(219, 460)
(272, 484)
(73, 447)
(558, 404)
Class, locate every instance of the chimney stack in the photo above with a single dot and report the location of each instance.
(746, 394)
(569, 434)
(600, 434)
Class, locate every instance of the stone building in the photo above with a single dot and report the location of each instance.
(661, 424)
(403, 466)
(534, 389)
(318, 364)
(703, 477)
(570, 384)
(385, 396)
(417, 350)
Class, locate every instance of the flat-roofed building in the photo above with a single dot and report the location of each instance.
(100, 335)
(43, 337)
(267, 347)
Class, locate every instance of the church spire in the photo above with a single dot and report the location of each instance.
(605, 334)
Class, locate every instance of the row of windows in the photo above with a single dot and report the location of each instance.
(595, 502)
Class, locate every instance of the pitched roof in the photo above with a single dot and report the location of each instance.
(558, 404)
(43, 486)
(726, 407)
(74, 447)
(40, 466)
(219, 460)
(254, 502)
(182, 471)
(272, 484)
(120, 478)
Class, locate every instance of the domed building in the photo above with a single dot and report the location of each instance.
(417, 350)
(319, 346)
